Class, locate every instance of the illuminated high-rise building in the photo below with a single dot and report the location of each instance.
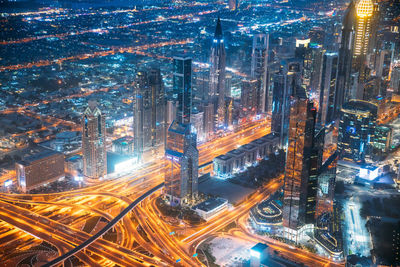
(233, 4)
(208, 120)
(329, 98)
(181, 181)
(356, 129)
(316, 160)
(248, 99)
(182, 87)
(346, 53)
(297, 170)
(149, 111)
(285, 83)
(312, 67)
(94, 142)
(363, 30)
(259, 63)
(395, 80)
(217, 74)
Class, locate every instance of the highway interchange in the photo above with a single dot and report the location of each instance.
(143, 236)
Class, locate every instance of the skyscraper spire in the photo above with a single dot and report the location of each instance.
(217, 74)
(218, 30)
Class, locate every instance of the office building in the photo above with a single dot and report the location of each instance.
(182, 88)
(395, 80)
(329, 99)
(363, 34)
(326, 185)
(39, 166)
(381, 143)
(346, 53)
(233, 4)
(211, 207)
(149, 112)
(285, 83)
(94, 142)
(197, 121)
(312, 67)
(181, 180)
(248, 99)
(208, 120)
(356, 129)
(297, 170)
(123, 145)
(259, 63)
(316, 160)
(217, 74)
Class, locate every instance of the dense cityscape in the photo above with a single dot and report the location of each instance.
(199, 133)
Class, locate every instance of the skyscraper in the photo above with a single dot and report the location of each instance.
(233, 4)
(259, 63)
(312, 67)
(315, 168)
(301, 133)
(181, 181)
(182, 87)
(285, 83)
(149, 111)
(329, 99)
(346, 54)
(208, 120)
(395, 80)
(217, 74)
(248, 99)
(94, 142)
(364, 16)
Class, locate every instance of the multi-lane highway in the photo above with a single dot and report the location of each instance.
(142, 235)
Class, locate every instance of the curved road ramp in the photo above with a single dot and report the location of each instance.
(105, 228)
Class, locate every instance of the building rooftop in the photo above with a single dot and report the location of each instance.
(224, 157)
(210, 204)
(179, 128)
(359, 106)
(31, 155)
(259, 141)
(259, 247)
(248, 147)
(68, 135)
(236, 152)
(123, 140)
(268, 137)
(232, 192)
(74, 158)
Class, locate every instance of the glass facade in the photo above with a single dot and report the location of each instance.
(356, 129)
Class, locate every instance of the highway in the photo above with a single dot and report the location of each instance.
(142, 233)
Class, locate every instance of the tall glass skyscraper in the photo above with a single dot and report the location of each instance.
(94, 142)
(259, 63)
(329, 98)
(297, 170)
(217, 74)
(182, 87)
(363, 34)
(149, 111)
(181, 181)
(345, 54)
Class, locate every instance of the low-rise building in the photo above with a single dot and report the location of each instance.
(74, 164)
(211, 207)
(248, 154)
(39, 166)
(123, 145)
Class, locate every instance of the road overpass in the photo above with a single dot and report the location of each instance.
(104, 230)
